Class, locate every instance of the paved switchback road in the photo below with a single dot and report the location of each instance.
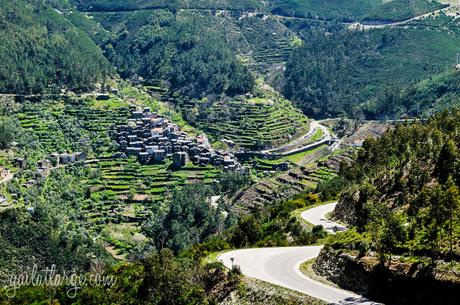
(281, 266)
(317, 216)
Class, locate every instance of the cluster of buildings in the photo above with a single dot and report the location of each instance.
(53, 159)
(153, 139)
(66, 158)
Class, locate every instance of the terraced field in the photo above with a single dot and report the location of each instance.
(124, 184)
(320, 166)
(73, 124)
(99, 122)
(41, 120)
(278, 53)
(252, 124)
(123, 193)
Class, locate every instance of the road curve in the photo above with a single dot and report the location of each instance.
(317, 216)
(281, 266)
(287, 148)
(359, 25)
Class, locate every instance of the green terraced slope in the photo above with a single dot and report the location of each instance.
(253, 124)
(69, 125)
(122, 182)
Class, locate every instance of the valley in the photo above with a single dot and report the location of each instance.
(230, 152)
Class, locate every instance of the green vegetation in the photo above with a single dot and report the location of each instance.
(249, 123)
(181, 48)
(398, 10)
(341, 71)
(120, 5)
(70, 125)
(8, 132)
(158, 279)
(275, 226)
(42, 51)
(218, 66)
(53, 232)
(329, 9)
(123, 191)
(188, 221)
(404, 195)
(439, 92)
(119, 194)
(271, 226)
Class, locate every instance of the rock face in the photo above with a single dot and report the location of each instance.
(339, 269)
(348, 208)
(400, 283)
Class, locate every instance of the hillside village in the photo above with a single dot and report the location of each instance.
(153, 138)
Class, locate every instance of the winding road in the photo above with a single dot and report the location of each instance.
(314, 126)
(291, 146)
(364, 26)
(281, 266)
(317, 216)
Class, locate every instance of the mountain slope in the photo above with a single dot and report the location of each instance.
(339, 70)
(342, 10)
(407, 184)
(438, 92)
(398, 10)
(40, 50)
(182, 48)
(121, 5)
(403, 202)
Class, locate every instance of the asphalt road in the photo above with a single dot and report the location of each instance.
(288, 148)
(281, 266)
(317, 216)
(358, 25)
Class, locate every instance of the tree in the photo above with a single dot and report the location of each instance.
(387, 230)
(448, 158)
(451, 201)
(9, 131)
(189, 219)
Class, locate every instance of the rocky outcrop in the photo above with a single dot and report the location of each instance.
(400, 283)
(347, 208)
(339, 268)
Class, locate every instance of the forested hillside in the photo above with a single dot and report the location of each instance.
(342, 71)
(440, 91)
(398, 10)
(140, 139)
(184, 49)
(51, 231)
(120, 5)
(328, 9)
(402, 203)
(41, 50)
(331, 70)
(404, 194)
